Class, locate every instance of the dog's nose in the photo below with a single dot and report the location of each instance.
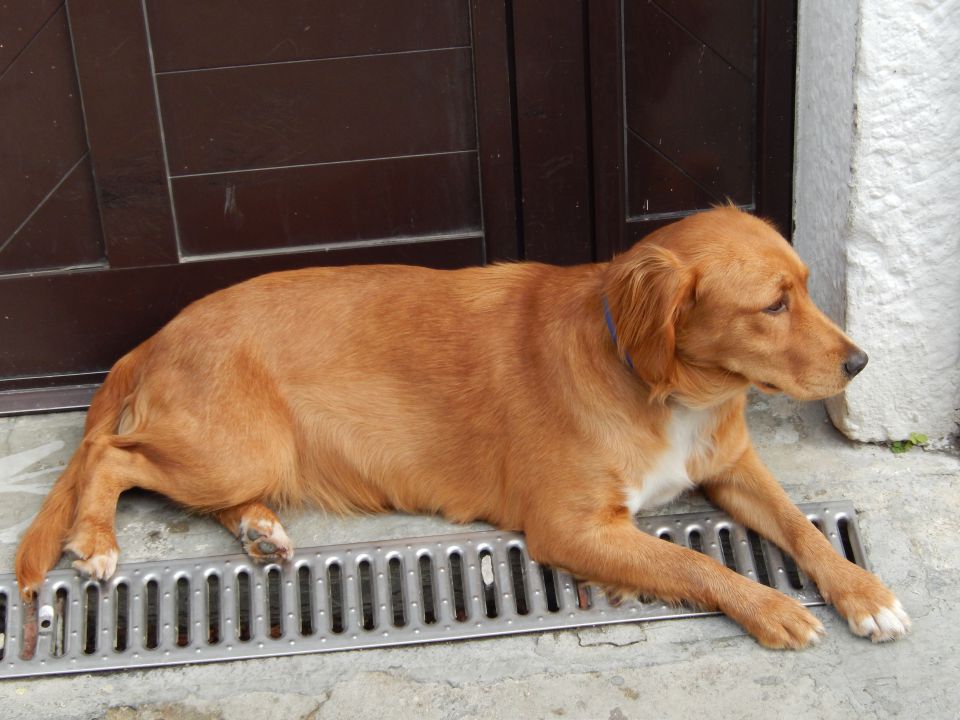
(856, 361)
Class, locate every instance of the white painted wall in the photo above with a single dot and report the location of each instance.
(878, 202)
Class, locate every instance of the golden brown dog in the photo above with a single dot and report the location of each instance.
(494, 394)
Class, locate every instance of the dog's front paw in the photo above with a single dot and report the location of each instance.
(265, 540)
(887, 623)
(777, 621)
(870, 607)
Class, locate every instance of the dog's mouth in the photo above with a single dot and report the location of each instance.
(768, 387)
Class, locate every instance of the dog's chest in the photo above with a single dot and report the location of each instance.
(688, 436)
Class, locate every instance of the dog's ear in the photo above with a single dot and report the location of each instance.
(648, 289)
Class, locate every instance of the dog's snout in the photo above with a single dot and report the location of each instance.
(856, 361)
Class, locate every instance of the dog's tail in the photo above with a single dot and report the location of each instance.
(42, 543)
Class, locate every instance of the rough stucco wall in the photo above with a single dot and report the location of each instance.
(899, 248)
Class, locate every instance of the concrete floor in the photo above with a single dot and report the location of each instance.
(909, 509)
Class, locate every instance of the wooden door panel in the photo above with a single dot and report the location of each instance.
(41, 132)
(315, 112)
(120, 109)
(726, 27)
(656, 185)
(188, 34)
(19, 24)
(552, 131)
(685, 111)
(42, 243)
(329, 204)
(686, 103)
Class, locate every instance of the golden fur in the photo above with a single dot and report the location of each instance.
(490, 394)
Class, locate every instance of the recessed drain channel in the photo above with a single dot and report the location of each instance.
(394, 592)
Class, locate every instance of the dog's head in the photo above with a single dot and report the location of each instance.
(705, 306)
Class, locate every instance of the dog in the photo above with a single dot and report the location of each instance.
(555, 401)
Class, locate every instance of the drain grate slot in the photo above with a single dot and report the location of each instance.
(843, 529)
(457, 586)
(759, 559)
(305, 598)
(792, 572)
(696, 541)
(244, 606)
(274, 598)
(335, 583)
(181, 611)
(91, 615)
(584, 595)
(726, 548)
(398, 606)
(121, 635)
(427, 597)
(152, 615)
(550, 588)
(489, 583)
(29, 631)
(368, 602)
(518, 576)
(213, 608)
(365, 595)
(58, 622)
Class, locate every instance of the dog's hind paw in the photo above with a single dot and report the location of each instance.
(97, 554)
(265, 540)
(98, 567)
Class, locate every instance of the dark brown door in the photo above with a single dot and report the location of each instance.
(152, 152)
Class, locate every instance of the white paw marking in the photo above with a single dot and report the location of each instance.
(267, 541)
(890, 623)
(98, 567)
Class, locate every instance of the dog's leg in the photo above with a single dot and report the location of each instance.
(259, 530)
(92, 538)
(752, 496)
(614, 552)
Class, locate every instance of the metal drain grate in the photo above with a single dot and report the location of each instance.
(398, 592)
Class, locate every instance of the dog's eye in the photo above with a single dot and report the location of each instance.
(778, 307)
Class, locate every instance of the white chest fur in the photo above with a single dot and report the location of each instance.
(688, 435)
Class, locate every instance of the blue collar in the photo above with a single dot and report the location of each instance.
(613, 331)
